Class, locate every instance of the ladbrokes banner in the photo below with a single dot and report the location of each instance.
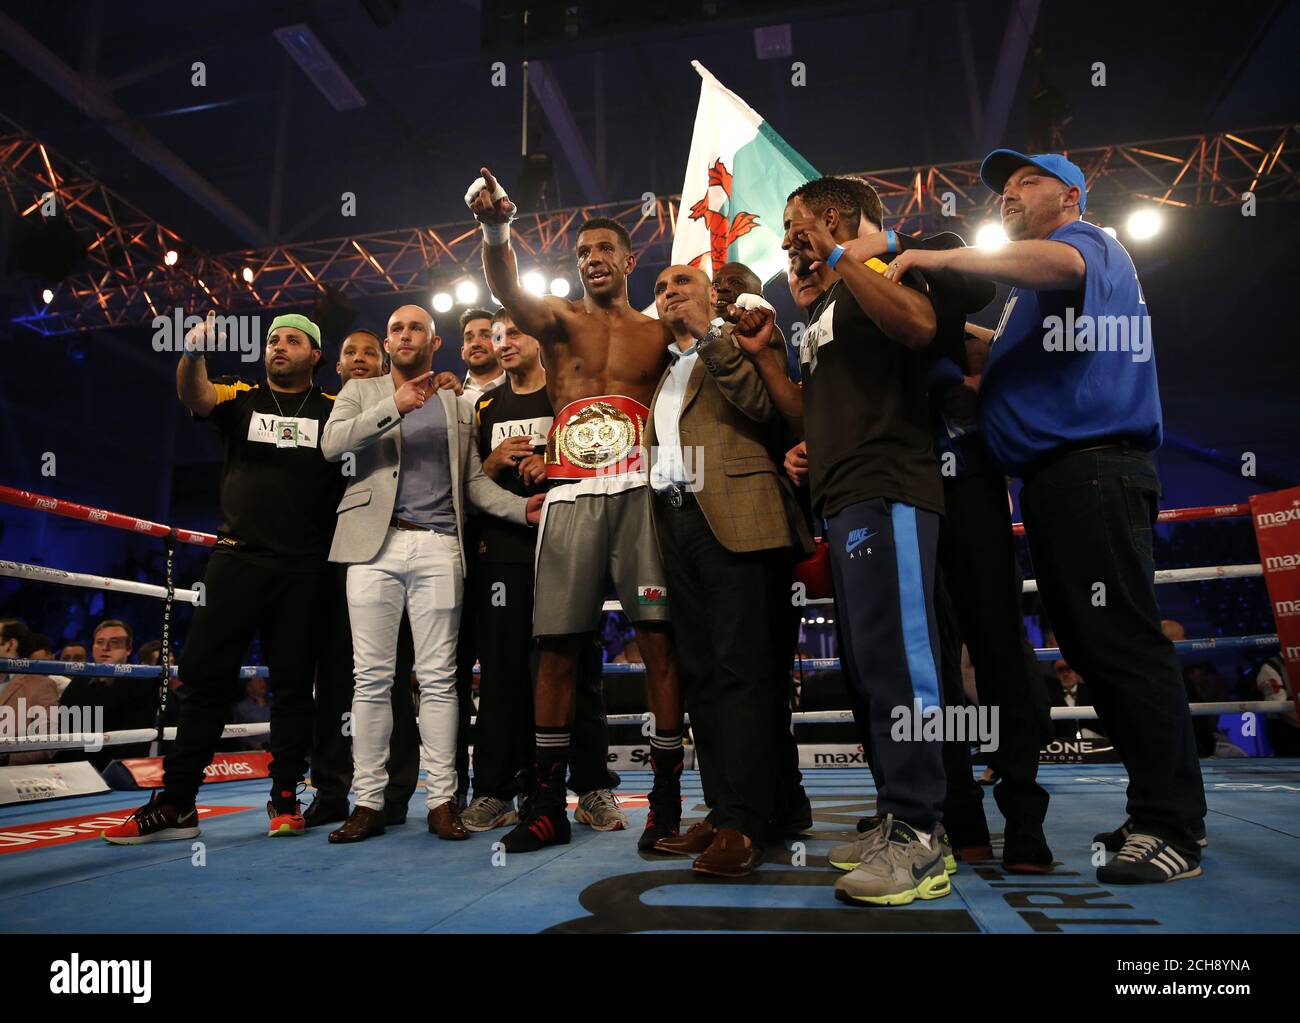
(147, 772)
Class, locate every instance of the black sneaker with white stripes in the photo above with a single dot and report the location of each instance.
(1145, 859)
(1113, 841)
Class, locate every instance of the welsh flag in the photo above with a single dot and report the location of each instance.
(737, 179)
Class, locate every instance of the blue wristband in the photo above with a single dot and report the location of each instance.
(835, 255)
(891, 238)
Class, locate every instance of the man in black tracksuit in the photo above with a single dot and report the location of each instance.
(979, 574)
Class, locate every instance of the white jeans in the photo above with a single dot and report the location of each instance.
(418, 570)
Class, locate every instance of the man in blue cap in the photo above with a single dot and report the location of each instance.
(1070, 404)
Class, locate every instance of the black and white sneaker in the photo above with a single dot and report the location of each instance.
(156, 821)
(1113, 841)
(1145, 859)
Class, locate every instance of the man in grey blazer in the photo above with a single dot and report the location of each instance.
(413, 465)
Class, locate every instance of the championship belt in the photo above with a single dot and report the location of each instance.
(598, 436)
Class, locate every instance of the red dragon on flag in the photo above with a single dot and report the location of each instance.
(723, 232)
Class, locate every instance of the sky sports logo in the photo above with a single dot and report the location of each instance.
(132, 977)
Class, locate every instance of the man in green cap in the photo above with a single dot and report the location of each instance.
(268, 576)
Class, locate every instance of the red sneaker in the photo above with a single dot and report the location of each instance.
(288, 820)
(156, 821)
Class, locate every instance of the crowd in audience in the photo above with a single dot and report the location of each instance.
(128, 702)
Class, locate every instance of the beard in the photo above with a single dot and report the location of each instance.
(407, 361)
(289, 372)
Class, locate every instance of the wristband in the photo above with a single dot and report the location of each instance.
(835, 255)
(496, 234)
(891, 239)
(193, 353)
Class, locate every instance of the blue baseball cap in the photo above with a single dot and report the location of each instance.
(1002, 163)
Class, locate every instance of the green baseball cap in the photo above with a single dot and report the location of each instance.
(298, 322)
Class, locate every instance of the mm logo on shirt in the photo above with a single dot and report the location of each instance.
(537, 428)
(856, 538)
(651, 595)
(262, 429)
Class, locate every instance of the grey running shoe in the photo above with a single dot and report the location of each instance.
(488, 812)
(599, 809)
(896, 871)
(850, 854)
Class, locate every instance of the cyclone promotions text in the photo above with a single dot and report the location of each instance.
(40, 722)
(241, 334)
(102, 977)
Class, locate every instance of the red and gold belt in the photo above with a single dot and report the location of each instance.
(597, 436)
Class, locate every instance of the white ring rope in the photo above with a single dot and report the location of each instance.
(42, 573)
(122, 737)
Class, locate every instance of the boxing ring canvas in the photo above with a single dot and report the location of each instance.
(63, 879)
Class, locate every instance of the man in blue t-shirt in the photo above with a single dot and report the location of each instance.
(1069, 403)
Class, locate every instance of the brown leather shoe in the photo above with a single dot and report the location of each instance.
(695, 841)
(444, 821)
(731, 854)
(360, 825)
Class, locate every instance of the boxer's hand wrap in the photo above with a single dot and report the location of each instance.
(751, 301)
(493, 234)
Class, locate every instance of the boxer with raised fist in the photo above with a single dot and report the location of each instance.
(603, 360)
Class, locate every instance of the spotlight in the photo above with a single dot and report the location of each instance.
(47, 296)
(560, 287)
(247, 274)
(990, 236)
(170, 257)
(441, 302)
(1143, 224)
(1111, 231)
(821, 620)
(534, 282)
(466, 292)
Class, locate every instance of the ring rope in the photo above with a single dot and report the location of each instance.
(45, 574)
(99, 516)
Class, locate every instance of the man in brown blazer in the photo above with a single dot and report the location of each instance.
(729, 534)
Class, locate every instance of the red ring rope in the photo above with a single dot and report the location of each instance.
(1209, 511)
(72, 510)
(58, 506)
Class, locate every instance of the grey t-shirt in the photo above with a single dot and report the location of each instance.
(424, 486)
